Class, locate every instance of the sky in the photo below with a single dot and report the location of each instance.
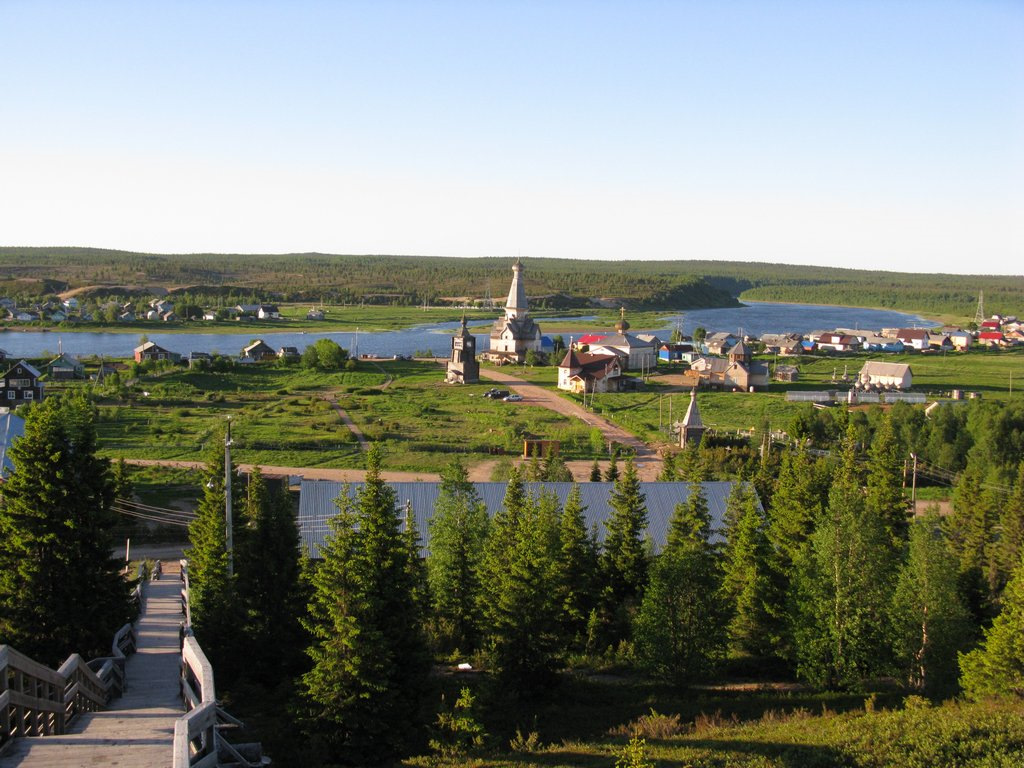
(883, 135)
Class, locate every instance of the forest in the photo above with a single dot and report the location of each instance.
(553, 283)
(814, 627)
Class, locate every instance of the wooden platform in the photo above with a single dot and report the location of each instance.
(138, 729)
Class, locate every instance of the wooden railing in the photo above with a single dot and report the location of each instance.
(38, 701)
(197, 741)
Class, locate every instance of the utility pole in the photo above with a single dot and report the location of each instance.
(913, 484)
(229, 543)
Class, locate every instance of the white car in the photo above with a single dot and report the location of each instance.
(513, 398)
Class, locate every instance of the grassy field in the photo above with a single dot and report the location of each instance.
(421, 421)
(979, 371)
(758, 729)
(282, 416)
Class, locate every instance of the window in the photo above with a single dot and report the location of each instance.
(28, 394)
(11, 394)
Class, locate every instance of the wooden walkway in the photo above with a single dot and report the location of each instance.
(137, 731)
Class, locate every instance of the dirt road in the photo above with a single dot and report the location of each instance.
(311, 473)
(535, 394)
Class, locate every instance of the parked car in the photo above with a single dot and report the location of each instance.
(496, 394)
(512, 398)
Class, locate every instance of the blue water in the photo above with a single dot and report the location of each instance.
(753, 319)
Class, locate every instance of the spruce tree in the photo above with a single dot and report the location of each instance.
(624, 559)
(970, 532)
(612, 473)
(595, 472)
(885, 498)
(60, 590)
(996, 667)
(269, 588)
(458, 530)
(577, 570)
(930, 621)
(370, 661)
(519, 596)
(679, 632)
(216, 610)
(845, 588)
(1010, 545)
(554, 470)
(749, 589)
(668, 472)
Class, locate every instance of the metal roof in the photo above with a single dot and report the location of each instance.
(12, 427)
(316, 504)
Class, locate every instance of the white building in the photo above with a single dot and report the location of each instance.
(886, 375)
(515, 334)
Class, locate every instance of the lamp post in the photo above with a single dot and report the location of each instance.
(229, 543)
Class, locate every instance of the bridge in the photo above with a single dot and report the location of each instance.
(126, 709)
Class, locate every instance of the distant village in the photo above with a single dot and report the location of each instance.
(591, 363)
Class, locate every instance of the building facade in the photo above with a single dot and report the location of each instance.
(515, 334)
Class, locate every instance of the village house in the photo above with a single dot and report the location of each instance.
(153, 351)
(268, 312)
(940, 342)
(636, 353)
(879, 375)
(913, 338)
(991, 338)
(835, 341)
(288, 353)
(197, 359)
(315, 314)
(787, 374)
(64, 367)
(718, 343)
(782, 344)
(874, 342)
(583, 372)
(21, 384)
(961, 340)
(514, 334)
(738, 371)
(259, 350)
(677, 352)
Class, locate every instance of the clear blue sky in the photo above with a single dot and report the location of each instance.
(839, 132)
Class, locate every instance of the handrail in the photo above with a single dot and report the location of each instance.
(36, 700)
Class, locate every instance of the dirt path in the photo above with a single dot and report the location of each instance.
(535, 394)
(310, 473)
(364, 444)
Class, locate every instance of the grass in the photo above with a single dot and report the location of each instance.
(281, 416)
(753, 729)
(421, 421)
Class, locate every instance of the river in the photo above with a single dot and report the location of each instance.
(754, 319)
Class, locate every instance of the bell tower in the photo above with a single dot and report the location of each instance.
(463, 367)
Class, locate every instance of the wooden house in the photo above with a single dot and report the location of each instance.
(21, 384)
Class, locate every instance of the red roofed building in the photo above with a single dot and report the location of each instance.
(591, 338)
(991, 338)
(582, 372)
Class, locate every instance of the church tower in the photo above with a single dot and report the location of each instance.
(463, 367)
(691, 429)
(516, 306)
(515, 334)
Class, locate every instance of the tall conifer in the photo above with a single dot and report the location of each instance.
(60, 590)
(370, 661)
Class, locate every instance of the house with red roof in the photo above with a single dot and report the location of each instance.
(583, 372)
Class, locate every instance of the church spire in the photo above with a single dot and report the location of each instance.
(516, 305)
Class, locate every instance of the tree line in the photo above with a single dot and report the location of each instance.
(826, 574)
